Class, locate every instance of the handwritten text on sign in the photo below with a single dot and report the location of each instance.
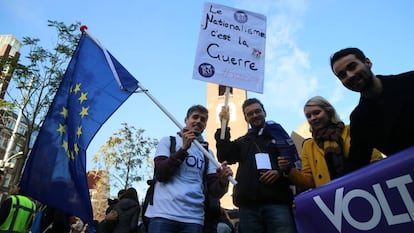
(231, 48)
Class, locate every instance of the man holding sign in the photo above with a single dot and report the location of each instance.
(262, 193)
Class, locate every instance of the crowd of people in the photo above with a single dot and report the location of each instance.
(187, 182)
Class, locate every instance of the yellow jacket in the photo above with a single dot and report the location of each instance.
(314, 171)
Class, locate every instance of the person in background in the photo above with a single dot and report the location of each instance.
(77, 225)
(16, 212)
(224, 225)
(263, 194)
(323, 154)
(236, 227)
(109, 226)
(112, 202)
(56, 221)
(383, 117)
(179, 189)
(211, 213)
(128, 209)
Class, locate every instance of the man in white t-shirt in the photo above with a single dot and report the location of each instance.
(179, 190)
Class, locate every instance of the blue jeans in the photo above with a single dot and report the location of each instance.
(266, 219)
(163, 225)
(223, 228)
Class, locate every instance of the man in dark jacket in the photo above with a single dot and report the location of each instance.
(262, 193)
(383, 117)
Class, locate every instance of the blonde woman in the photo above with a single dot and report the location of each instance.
(323, 154)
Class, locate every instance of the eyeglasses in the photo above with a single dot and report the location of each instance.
(256, 111)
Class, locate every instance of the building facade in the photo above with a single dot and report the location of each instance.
(7, 164)
(9, 53)
(215, 100)
(98, 183)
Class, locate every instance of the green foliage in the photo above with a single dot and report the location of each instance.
(38, 76)
(41, 76)
(5, 105)
(126, 155)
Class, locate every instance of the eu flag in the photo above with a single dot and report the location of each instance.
(55, 172)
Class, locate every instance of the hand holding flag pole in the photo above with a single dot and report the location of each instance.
(199, 146)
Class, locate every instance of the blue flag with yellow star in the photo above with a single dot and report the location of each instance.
(90, 92)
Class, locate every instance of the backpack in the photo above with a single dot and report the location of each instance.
(149, 195)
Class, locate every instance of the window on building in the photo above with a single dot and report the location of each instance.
(2, 139)
(7, 179)
(9, 123)
(22, 129)
(18, 148)
(6, 69)
(222, 90)
(4, 143)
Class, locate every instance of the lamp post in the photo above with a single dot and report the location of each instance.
(5, 161)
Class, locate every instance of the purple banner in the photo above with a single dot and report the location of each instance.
(377, 198)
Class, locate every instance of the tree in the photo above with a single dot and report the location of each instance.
(126, 156)
(38, 80)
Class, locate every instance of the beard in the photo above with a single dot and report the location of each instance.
(368, 81)
(257, 122)
(362, 81)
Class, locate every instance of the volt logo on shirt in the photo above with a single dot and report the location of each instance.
(193, 161)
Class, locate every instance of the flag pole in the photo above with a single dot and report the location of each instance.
(224, 121)
(84, 29)
(199, 146)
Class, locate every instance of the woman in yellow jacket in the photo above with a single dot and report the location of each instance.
(323, 154)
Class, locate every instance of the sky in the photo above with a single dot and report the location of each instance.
(157, 40)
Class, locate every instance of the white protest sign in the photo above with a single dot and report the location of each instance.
(231, 48)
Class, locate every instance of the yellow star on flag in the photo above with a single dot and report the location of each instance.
(83, 97)
(61, 129)
(79, 131)
(77, 88)
(84, 111)
(64, 112)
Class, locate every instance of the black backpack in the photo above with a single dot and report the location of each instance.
(149, 195)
